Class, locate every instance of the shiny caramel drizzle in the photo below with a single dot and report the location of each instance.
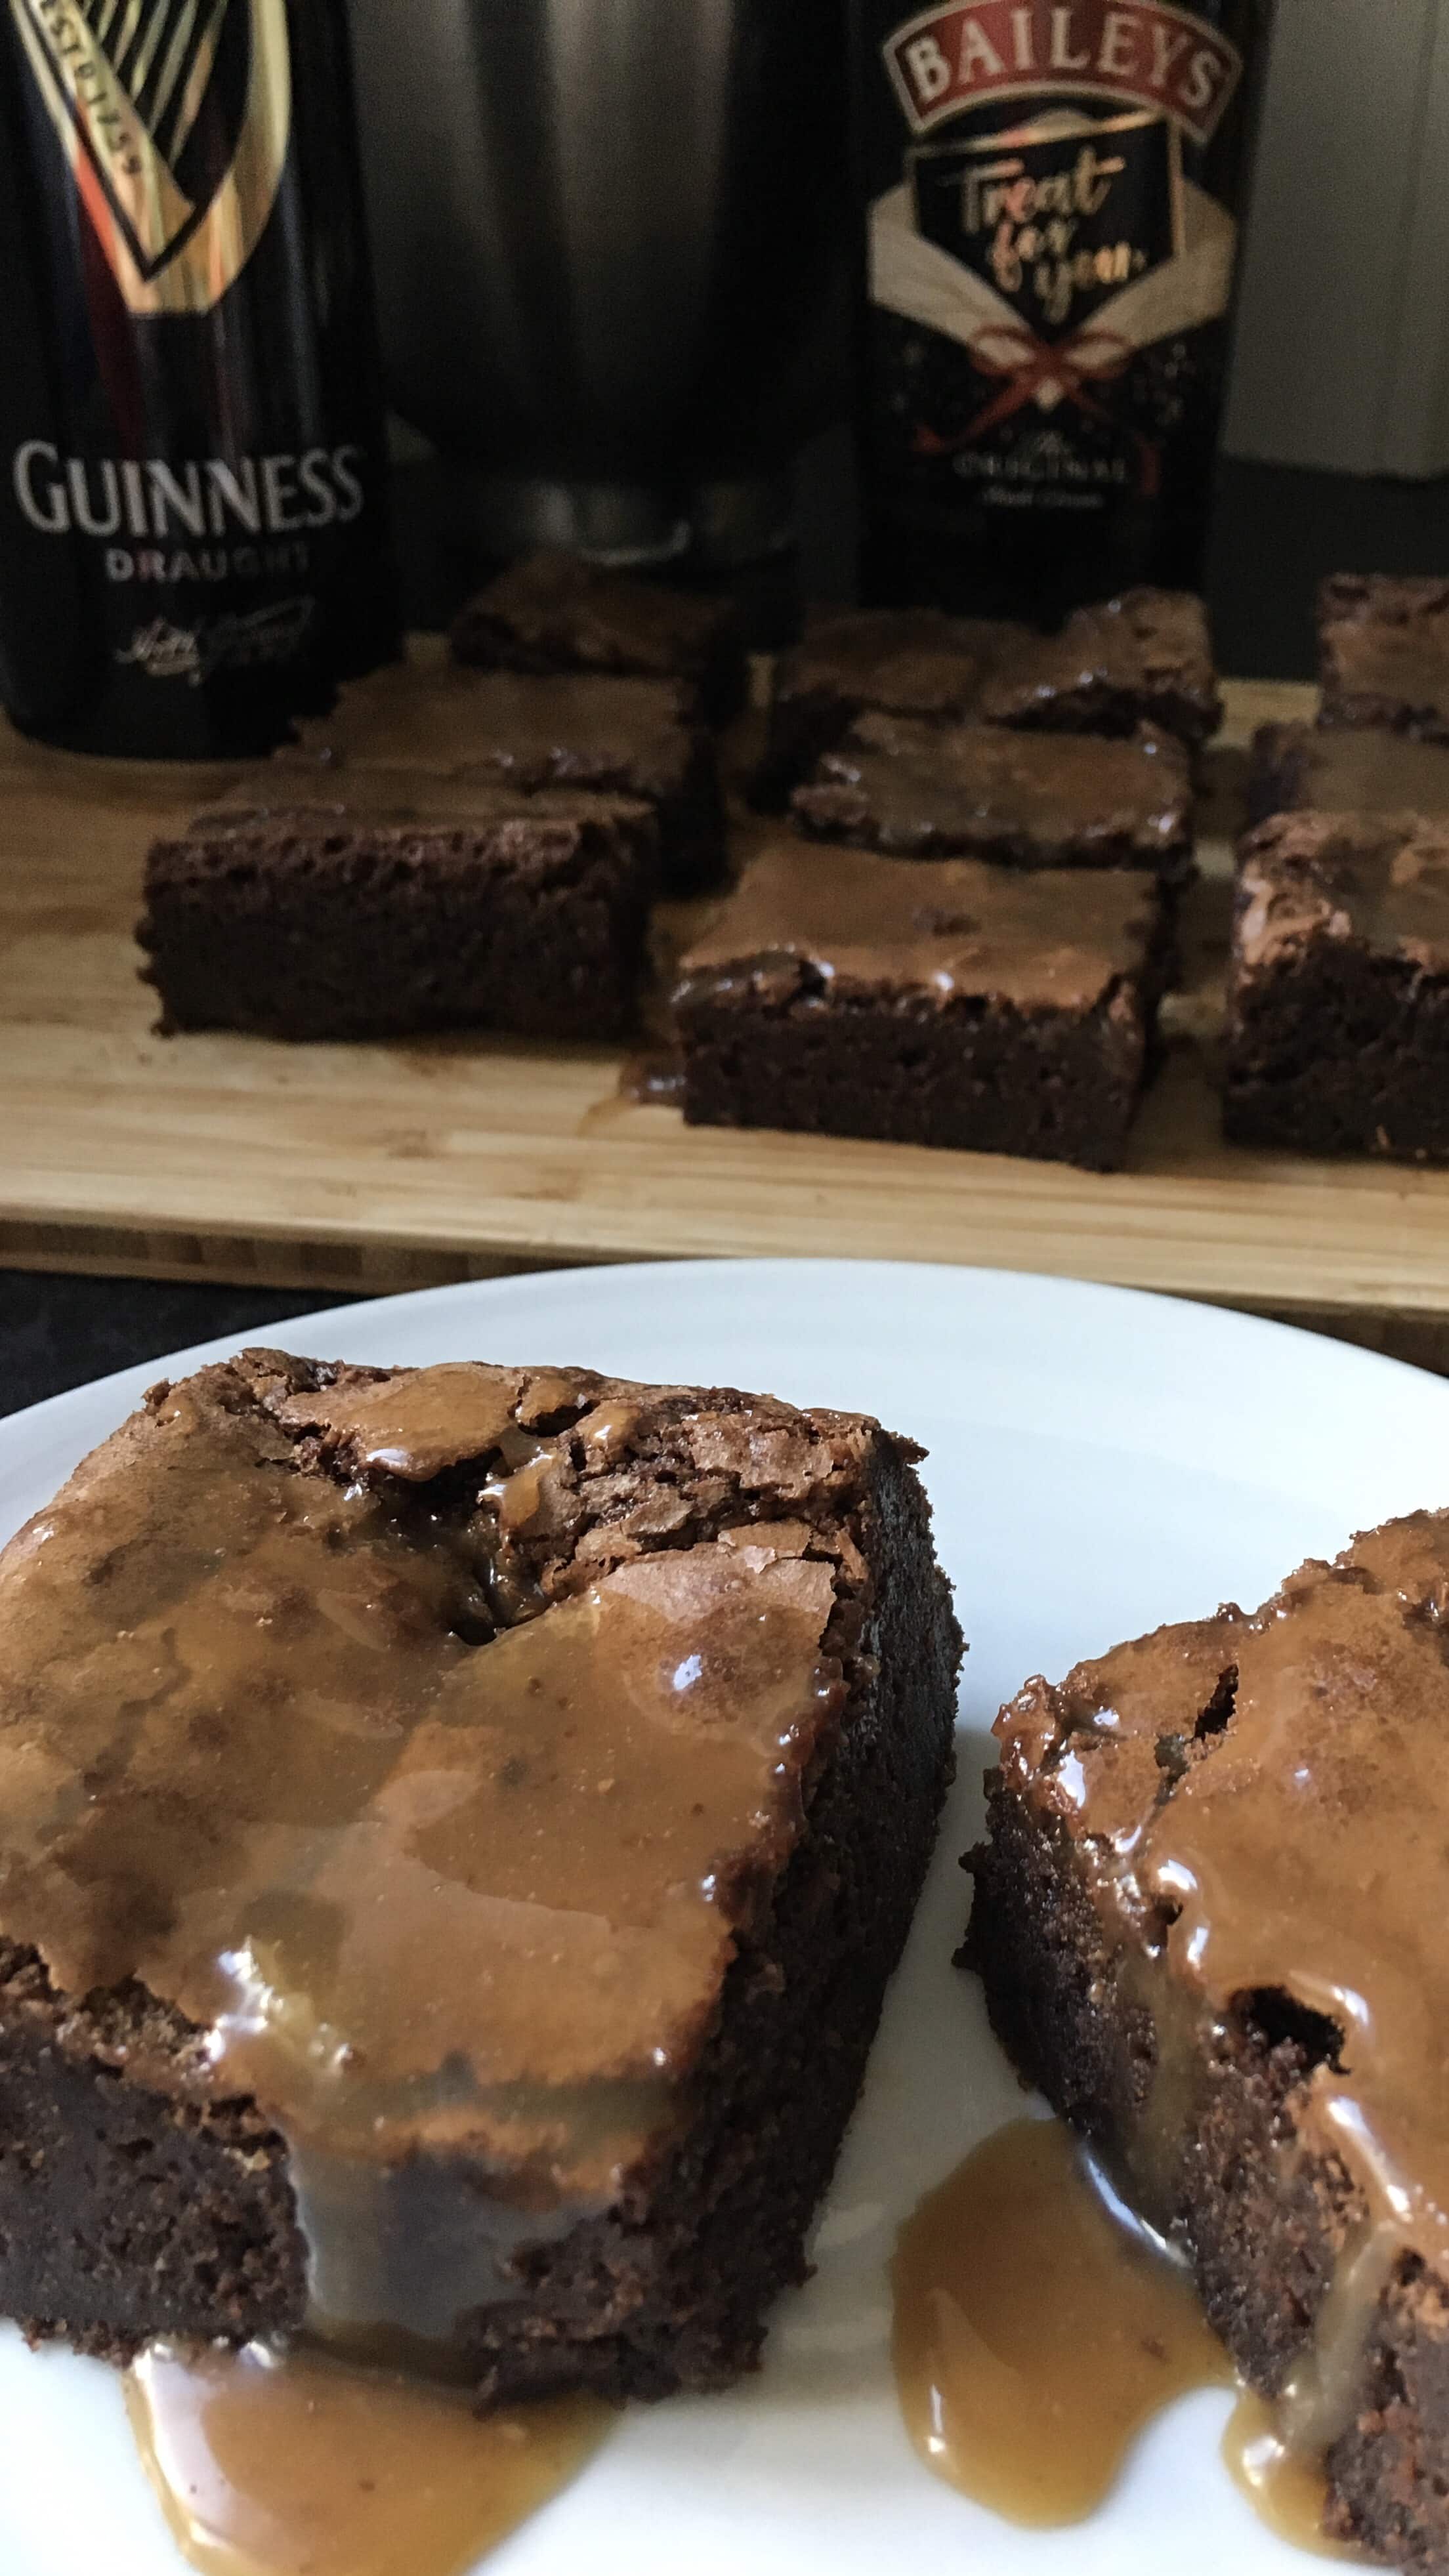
(424, 1881)
(1035, 2332)
(293, 2465)
(1261, 1805)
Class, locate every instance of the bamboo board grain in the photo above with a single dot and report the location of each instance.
(376, 1167)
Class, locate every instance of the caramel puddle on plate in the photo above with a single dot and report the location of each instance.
(300, 2466)
(1286, 2489)
(1035, 2334)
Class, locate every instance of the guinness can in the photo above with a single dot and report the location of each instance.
(1051, 193)
(193, 541)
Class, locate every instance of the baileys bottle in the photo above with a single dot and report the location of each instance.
(1051, 193)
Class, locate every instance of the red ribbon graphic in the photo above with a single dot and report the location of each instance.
(1012, 351)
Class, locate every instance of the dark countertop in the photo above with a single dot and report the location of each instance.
(1277, 531)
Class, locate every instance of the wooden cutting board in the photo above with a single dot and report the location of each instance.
(357, 1167)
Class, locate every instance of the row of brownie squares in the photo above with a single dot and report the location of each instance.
(465, 845)
(1338, 1002)
(979, 963)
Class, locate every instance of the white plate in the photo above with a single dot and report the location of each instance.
(1099, 1462)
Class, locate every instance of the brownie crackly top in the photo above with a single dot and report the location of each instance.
(939, 929)
(555, 611)
(908, 661)
(526, 731)
(425, 1737)
(901, 785)
(1146, 657)
(1262, 1803)
(1343, 770)
(1379, 880)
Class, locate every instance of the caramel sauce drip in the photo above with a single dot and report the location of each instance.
(1285, 2486)
(1035, 2333)
(272, 2465)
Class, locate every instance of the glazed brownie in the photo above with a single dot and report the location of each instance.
(902, 661)
(1384, 653)
(458, 1826)
(555, 612)
(1208, 1916)
(1297, 767)
(1145, 658)
(928, 1002)
(371, 903)
(1338, 990)
(984, 792)
(614, 737)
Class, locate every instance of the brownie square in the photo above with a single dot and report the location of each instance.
(986, 792)
(928, 1002)
(1145, 658)
(373, 903)
(902, 661)
(1207, 1917)
(1338, 990)
(1299, 767)
(614, 736)
(508, 1791)
(556, 612)
(1384, 653)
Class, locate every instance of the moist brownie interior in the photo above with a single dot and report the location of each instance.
(938, 1002)
(457, 1826)
(1338, 993)
(1209, 1918)
(354, 902)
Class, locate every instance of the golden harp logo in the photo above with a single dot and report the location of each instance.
(174, 117)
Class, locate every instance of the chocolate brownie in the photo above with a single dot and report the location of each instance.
(457, 1828)
(1297, 767)
(902, 661)
(1384, 653)
(984, 792)
(1338, 990)
(927, 1001)
(1208, 1916)
(371, 903)
(615, 737)
(556, 612)
(1146, 658)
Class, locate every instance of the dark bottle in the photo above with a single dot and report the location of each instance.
(1051, 197)
(193, 537)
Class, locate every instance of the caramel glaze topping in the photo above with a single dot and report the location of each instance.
(1379, 879)
(1048, 938)
(1261, 1805)
(1368, 770)
(529, 730)
(911, 661)
(435, 1801)
(915, 788)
